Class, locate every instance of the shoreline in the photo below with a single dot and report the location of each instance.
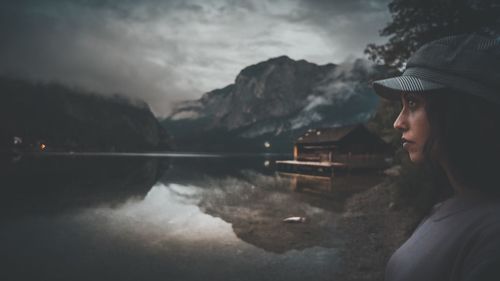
(374, 227)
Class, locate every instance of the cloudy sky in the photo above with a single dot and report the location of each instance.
(172, 50)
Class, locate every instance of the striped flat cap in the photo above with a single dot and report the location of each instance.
(465, 63)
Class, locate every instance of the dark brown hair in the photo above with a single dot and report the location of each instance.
(465, 129)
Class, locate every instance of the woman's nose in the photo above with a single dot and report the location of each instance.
(400, 122)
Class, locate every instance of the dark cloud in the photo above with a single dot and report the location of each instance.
(88, 48)
(167, 51)
(347, 24)
(345, 6)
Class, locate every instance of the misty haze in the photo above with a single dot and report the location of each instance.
(205, 139)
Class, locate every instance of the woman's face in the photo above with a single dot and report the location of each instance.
(414, 125)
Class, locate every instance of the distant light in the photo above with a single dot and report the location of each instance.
(18, 140)
(318, 133)
(267, 144)
(43, 146)
(267, 163)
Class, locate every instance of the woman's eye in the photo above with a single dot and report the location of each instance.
(412, 103)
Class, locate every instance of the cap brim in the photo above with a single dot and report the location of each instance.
(392, 88)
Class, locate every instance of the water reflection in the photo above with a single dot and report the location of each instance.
(256, 204)
(36, 185)
(167, 214)
(151, 219)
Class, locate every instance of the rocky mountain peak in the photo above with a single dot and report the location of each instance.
(263, 69)
(281, 95)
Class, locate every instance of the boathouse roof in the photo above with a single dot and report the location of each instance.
(323, 135)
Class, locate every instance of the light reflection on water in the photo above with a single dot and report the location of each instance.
(166, 214)
(189, 225)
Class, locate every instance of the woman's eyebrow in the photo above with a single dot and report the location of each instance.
(409, 95)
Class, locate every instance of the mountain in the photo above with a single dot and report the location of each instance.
(273, 102)
(52, 117)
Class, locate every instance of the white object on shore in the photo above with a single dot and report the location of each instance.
(295, 219)
(393, 171)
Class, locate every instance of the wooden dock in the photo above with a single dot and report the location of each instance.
(313, 168)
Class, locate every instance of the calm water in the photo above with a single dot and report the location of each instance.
(158, 218)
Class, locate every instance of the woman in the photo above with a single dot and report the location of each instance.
(450, 117)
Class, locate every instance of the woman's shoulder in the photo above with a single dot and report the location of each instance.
(466, 209)
(482, 261)
(481, 250)
(489, 220)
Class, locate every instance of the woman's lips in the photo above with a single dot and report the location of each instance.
(406, 143)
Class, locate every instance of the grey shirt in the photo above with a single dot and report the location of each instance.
(459, 240)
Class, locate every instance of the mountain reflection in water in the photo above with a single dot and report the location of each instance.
(142, 218)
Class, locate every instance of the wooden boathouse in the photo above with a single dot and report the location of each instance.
(330, 150)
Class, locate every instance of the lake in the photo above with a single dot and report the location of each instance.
(153, 217)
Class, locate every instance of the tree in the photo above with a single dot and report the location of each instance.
(415, 22)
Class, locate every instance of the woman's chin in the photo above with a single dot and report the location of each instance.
(416, 158)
